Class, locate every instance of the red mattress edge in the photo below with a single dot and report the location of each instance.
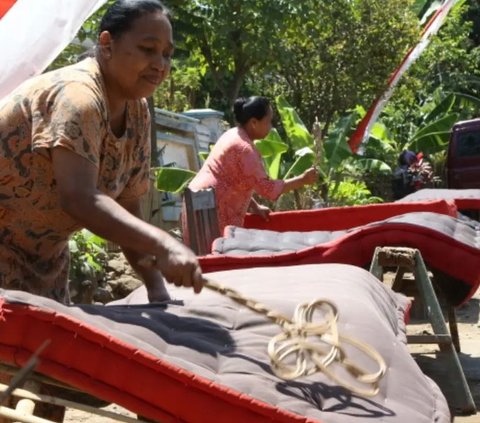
(244, 408)
(340, 250)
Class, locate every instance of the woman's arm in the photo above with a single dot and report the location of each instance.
(151, 276)
(306, 178)
(79, 197)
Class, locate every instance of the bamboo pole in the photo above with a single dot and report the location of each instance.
(59, 401)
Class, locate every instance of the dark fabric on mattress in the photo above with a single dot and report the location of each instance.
(204, 358)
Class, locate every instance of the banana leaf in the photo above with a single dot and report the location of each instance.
(304, 159)
(203, 155)
(432, 138)
(431, 143)
(172, 179)
(442, 108)
(380, 132)
(336, 144)
(295, 129)
(272, 148)
(372, 165)
(466, 100)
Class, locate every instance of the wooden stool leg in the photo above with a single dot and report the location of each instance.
(27, 409)
(10, 415)
(452, 323)
(461, 399)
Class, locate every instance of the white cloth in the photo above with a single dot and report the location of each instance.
(34, 32)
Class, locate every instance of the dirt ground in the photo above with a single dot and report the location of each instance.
(427, 356)
(468, 319)
(78, 416)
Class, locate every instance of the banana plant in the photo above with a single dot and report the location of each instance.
(172, 179)
(272, 148)
(297, 133)
(331, 155)
(299, 140)
(434, 130)
(345, 169)
(430, 132)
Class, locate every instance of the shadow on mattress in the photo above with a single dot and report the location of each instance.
(449, 246)
(155, 322)
(205, 358)
(348, 405)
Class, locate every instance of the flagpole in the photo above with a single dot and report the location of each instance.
(362, 132)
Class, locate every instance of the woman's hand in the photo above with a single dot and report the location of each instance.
(310, 176)
(173, 263)
(178, 264)
(259, 209)
(156, 290)
(263, 212)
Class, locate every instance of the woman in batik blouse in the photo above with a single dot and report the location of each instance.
(75, 153)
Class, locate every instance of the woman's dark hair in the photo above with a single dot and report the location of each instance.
(120, 16)
(252, 107)
(406, 158)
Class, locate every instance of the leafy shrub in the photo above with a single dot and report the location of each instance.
(350, 192)
(88, 256)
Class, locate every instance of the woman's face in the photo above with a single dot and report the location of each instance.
(263, 126)
(138, 60)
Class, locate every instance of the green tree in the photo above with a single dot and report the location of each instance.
(440, 88)
(473, 15)
(324, 56)
(180, 90)
(230, 39)
(340, 54)
(449, 65)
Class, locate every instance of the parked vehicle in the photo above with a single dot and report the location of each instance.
(463, 156)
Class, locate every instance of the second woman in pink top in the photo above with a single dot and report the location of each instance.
(235, 168)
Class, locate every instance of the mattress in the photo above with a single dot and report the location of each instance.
(464, 199)
(340, 218)
(449, 246)
(203, 358)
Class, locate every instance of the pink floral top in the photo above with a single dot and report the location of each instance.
(235, 169)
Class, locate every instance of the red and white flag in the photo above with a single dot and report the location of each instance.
(34, 32)
(362, 132)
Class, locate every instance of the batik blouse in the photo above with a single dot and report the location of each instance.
(63, 108)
